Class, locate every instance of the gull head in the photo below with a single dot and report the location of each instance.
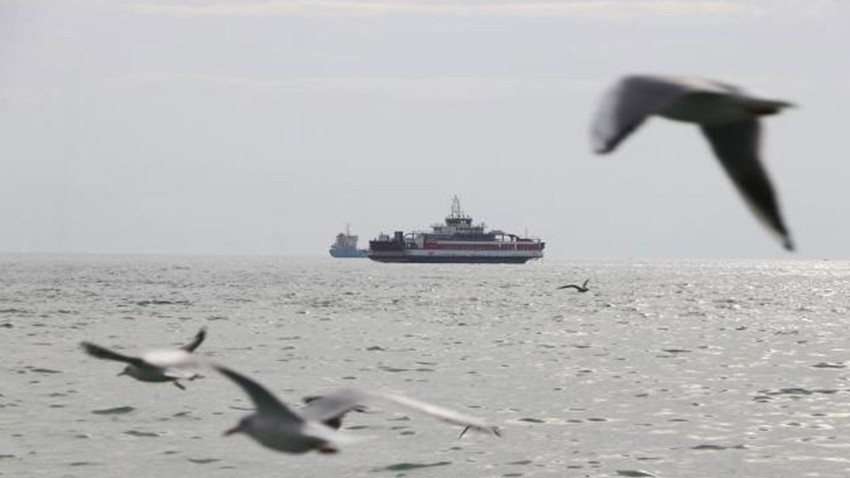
(242, 427)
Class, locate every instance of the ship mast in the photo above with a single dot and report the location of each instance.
(456, 217)
(456, 212)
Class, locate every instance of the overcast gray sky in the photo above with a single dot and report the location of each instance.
(190, 126)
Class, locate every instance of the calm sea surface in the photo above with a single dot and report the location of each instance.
(664, 368)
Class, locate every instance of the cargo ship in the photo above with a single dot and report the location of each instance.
(458, 240)
(346, 246)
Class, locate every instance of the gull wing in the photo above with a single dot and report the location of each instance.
(199, 338)
(265, 402)
(628, 103)
(105, 353)
(443, 414)
(736, 145)
(706, 85)
(333, 405)
(339, 402)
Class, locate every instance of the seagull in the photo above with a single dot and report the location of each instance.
(276, 426)
(727, 115)
(581, 288)
(154, 366)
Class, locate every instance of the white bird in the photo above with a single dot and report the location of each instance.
(727, 115)
(157, 365)
(276, 426)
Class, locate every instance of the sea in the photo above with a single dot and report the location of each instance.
(663, 368)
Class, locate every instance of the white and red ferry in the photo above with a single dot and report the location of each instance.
(458, 240)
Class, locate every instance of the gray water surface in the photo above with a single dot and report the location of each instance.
(664, 368)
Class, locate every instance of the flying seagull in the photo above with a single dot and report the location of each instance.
(276, 426)
(581, 288)
(154, 366)
(727, 115)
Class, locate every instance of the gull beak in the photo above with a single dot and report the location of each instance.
(123, 372)
(231, 431)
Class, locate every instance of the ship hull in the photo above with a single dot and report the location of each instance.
(388, 253)
(450, 259)
(348, 253)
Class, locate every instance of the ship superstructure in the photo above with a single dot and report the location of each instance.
(456, 240)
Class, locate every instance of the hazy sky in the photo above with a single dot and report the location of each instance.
(190, 126)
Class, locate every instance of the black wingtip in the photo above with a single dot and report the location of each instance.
(99, 352)
(92, 349)
(493, 430)
(788, 244)
(197, 340)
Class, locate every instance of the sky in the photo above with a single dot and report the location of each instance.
(265, 127)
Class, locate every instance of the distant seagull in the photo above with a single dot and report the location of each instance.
(581, 288)
(154, 366)
(727, 115)
(276, 426)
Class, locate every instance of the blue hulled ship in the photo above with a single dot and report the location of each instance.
(346, 246)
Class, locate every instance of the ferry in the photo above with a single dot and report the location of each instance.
(458, 240)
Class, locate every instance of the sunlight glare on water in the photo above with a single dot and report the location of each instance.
(664, 368)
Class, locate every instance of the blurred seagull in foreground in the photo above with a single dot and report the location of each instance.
(157, 365)
(727, 115)
(276, 426)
